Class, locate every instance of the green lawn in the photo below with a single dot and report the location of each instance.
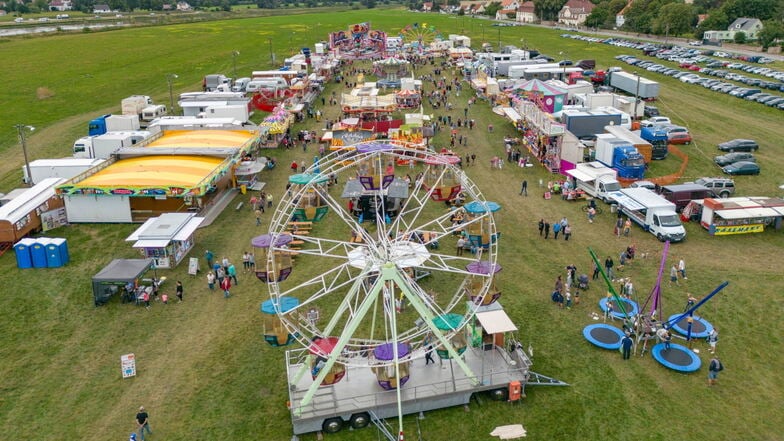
(205, 372)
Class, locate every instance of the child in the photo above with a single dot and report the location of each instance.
(165, 299)
(211, 280)
(568, 300)
(146, 298)
(577, 297)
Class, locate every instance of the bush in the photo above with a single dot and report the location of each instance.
(740, 37)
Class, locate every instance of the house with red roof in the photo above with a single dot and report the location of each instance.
(526, 13)
(574, 12)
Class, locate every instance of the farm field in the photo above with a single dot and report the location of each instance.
(205, 373)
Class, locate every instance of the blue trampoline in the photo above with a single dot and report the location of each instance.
(700, 328)
(678, 358)
(629, 305)
(603, 335)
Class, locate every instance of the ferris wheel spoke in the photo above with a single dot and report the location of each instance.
(329, 281)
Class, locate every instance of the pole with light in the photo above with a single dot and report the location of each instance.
(170, 79)
(563, 63)
(20, 129)
(636, 95)
(234, 55)
(499, 39)
(272, 55)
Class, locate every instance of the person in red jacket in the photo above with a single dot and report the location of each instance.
(226, 286)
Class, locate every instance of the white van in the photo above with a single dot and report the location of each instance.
(240, 85)
(149, 113)
(267, 83)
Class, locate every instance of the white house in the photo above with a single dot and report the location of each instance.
(60, 5)
(183, 6)
(574, 12)
(101, 9)
(620, 17)
(526, 13)
(749, 26)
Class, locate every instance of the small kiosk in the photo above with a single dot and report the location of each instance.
(309, 188)
(275, 333)
(480, 272)
(166, 239)
(116, 276)
(489, 326)
(277, 269)
(480, 224)
(440, 179)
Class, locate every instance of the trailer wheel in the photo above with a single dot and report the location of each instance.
(501, 394)
(332, 425)
(359, 420)
(660, 237)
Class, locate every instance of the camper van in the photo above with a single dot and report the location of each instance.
(240, 85)
(267, 83)
(151, 112)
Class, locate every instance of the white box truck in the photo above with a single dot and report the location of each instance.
(134, 104)
(102, 146)
(652, 212)
(596, 180)
(238, 112)
(122, 123)
(67, 168)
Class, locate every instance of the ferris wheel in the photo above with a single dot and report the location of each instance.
(380, 281)
(419, 35)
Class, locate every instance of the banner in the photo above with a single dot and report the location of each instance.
(737, 229)
(128, 364)
(53, 219)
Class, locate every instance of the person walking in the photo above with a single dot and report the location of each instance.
(556, 229)
(258, 217)
(627, 227)
(178, 290)
(674, 275)
(626, 346)
(713, 338)
(211, 280)
(714, 367)
(618, 227)
(429, 355)
(460, 245)
(608, 267)
(567, 232)
(232, 273)
(591, 214)
(269, 200)
(226, 287)
(682, 269)
(143, 422)
(209, 257)
(541, 226)
(546, 230)
(524, 188)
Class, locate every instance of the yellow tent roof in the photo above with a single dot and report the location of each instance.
(204, 139)
(153, 171)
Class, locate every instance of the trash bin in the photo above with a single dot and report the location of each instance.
(613, 208)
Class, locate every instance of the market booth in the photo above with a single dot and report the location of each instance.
(138, 188)
(23, 214)
(166, 239)
(118, 274)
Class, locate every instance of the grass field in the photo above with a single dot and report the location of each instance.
(206, 374)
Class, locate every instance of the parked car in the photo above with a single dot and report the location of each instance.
(655, 120)
(643, 184)
(742, 168)
(721, 187)
(739, 145)
(679, 138)
(730, 158)
(650, 111)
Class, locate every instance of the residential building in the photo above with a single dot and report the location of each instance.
(620, 17)
(101, 9)
(574, 12)
(749, 26)
(60, 5)
(526, 13)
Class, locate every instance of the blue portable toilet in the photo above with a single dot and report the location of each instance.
(38, 252)
(64, 254)
(54, 255)
(22, 250)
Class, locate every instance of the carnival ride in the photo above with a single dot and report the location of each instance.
(387, 295)
(418, 37)
(645, 323)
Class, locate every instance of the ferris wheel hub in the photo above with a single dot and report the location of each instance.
(401, 253)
